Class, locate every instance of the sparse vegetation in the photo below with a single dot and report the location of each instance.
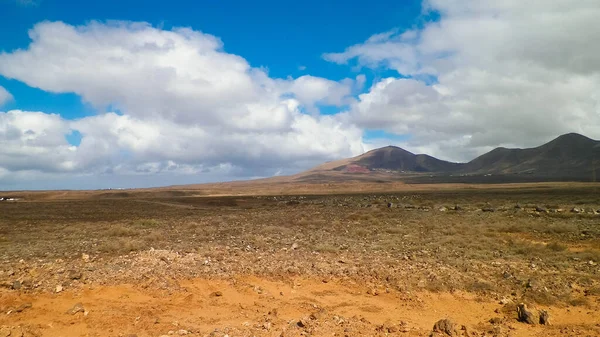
(424, 246)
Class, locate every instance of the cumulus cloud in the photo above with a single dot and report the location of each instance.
(5, 96)
(34, 141)
(184, 105)
(485, 74)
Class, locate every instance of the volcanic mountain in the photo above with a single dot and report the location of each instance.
(570, 157)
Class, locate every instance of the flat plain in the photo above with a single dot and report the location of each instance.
(301, 260)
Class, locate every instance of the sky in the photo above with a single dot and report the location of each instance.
(121, 94)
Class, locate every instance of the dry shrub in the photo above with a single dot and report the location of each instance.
(147, 223)
(480, 287)
(121, 245)
(578, 302)
(556, 246)
(540, 297)
(325, 248)
(154, 236)
(561, 228)
(121, 231)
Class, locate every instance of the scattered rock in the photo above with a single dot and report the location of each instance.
(295, 246)
(544, 317)
(488, 209)
(457, 208)
(541, 209)
(390, 204)
(576, 210)
(496, 320)
(524, 315)
(442, 209)
(85, 257)
(182, 332)
(16, 285)
(58, 289)
(444, 326)
(373, 292)
(23, 307)
(216, 294)
(75, 309)
(74, 275)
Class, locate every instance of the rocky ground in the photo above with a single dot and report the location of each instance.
(351, 265)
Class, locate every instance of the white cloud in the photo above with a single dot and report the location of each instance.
(5, 96)
(508, 73)
(34, 141)
(186, 106)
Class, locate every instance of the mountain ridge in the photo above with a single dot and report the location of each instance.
(571, 156)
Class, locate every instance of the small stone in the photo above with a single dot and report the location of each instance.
(75, 309)
(182, 332)
(295, 246)
(23, 307)
(576, 210)
(58, 289)
(85, 257)
(373, 292)
(16, 285)
(216, 294)
(75, 275)
(442, 209)
(544, 317)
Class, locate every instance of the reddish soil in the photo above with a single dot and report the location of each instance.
(251, 306)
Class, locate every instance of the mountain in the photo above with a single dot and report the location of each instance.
(568, 157)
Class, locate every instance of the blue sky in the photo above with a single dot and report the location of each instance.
(151, 93)
(287, 38)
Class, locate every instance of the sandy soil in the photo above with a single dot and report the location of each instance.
(251, 306)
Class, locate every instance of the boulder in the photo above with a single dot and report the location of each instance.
(524, 315)
(444, 326)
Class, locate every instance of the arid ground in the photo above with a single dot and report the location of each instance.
(379, 260)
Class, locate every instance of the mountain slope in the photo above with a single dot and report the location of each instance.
(568, 157)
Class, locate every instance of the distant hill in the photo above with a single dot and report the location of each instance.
(570, 157)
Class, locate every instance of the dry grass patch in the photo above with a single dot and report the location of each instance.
(121, 231)
(120, 246)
